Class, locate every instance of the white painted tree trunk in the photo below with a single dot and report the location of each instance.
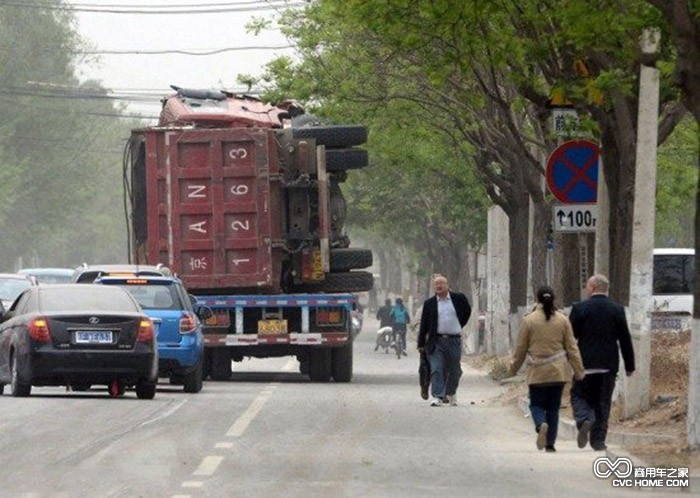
(498, 277)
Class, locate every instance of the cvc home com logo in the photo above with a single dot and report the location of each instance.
(625, 475)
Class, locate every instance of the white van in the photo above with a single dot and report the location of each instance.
(674, 271)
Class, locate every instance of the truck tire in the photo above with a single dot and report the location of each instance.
(333, 135)
(220, 364)
(341, 363)
(345, 159)
(351, 281)
(350, 259)
(320, 365)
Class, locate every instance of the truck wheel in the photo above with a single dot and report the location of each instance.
(345, 159)
(350, 259)
(342, 363)
(193, 380)
(220, 364)
(333, 135)
(352, 281)
(320, 365)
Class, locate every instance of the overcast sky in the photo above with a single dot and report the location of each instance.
(194, 31)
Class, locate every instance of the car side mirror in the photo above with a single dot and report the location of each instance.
(204, 313)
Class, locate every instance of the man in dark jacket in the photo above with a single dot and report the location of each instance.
(440, 336)
(601, 328)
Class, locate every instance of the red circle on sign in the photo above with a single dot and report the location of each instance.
(572, 172)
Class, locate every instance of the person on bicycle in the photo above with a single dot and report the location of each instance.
(399, 320)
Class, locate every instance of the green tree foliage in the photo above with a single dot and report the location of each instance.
(676, 180)
(489, 70)
(60, 154)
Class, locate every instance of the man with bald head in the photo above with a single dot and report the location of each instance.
(600, 326)
(440, 337)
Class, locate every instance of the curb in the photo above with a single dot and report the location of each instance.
(567, 428)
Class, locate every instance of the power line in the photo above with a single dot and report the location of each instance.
(170, 9)
(196, 52)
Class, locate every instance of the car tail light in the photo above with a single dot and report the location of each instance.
(145, 333)
(188, 323)
(39, 330)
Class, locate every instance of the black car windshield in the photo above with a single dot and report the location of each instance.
(10, 288)
(85, 297)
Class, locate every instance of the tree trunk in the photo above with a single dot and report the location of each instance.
(618, 150)
(518, 228)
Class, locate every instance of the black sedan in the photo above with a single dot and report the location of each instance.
(78, 336)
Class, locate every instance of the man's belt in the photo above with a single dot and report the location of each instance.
(450, 336)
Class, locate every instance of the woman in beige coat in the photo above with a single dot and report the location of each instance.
(546, 338)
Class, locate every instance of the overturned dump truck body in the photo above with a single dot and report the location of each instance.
(242, 200)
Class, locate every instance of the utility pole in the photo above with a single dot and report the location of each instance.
(636, 387)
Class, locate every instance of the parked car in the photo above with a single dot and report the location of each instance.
(87, 274)
(78, 336)
(12, 285)
(180, 340)
(49, 275)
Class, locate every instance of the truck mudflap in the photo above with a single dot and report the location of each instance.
(330, 339)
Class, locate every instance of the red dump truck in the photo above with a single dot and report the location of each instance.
(242, 200)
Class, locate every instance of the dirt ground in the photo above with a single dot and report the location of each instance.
(667, 415)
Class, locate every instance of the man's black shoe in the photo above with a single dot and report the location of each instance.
(599, 447)
(424, 392)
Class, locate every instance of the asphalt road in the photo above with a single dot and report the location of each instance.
(270, 432)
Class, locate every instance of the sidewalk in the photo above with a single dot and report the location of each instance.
(617, 441)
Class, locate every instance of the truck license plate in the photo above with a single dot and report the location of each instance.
(272, 327)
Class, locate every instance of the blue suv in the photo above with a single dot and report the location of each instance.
(179, 330)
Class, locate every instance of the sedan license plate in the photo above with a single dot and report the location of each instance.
(93, 337)
(272, 327)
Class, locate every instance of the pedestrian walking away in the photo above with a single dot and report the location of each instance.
(399, 321)
(547, 341)
(600, 325)
(440, 336)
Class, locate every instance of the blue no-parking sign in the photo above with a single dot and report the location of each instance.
(572, 172)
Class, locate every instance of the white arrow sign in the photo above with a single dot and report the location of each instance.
(575, 217)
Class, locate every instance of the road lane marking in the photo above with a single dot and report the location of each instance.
(166, 413)
(192, 484)
(224, 446)
(242, 422)
(208, 466)
(180, 496)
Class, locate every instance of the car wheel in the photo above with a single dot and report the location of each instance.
(80, 386)
(220, 364)
(19, 390)
(2, 389)
(206, 364)
(145, 389)
(193, 380)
